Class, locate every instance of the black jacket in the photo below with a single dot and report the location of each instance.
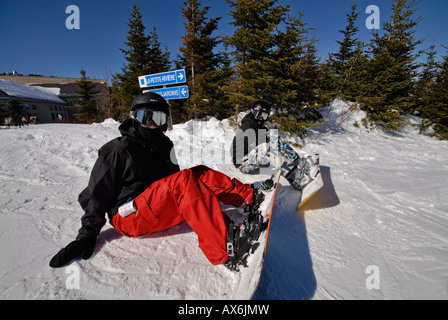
(125, 167)
(251, 133)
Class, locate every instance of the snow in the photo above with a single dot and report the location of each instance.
(19, 90)
(54, 91)
(383, 207)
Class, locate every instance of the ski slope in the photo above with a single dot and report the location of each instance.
(378, 229)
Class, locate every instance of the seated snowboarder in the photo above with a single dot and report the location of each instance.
(253, 148)
(139, 170)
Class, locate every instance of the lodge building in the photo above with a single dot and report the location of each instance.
(48, 99)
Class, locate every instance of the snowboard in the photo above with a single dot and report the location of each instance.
(250, 277)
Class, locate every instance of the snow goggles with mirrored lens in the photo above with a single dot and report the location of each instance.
(146, 116)
(260, 114)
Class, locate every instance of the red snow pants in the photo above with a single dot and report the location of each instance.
(193, 195)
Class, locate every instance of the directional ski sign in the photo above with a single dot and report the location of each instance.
(172, 93)
(162, 79)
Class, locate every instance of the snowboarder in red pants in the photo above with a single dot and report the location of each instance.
(193, 195)
(141, 166)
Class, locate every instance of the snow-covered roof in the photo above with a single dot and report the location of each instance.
(24, 91)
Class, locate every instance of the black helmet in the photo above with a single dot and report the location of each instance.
(151, 101)
(261, 110)
(151, 107)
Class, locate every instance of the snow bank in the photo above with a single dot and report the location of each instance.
(383, 211)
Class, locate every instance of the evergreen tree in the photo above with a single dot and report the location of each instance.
(392, 68)
(159, 59)
(206, 70)
(297, 72)
(15, 109)
(275, 61)
(86, 104)
(439, 113)
(253, 41)
(424, 90)
(286, 62)
(347, 65)
(143, 55)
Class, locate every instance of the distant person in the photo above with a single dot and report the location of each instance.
(24, 121)
(252, 148)
(8, 122)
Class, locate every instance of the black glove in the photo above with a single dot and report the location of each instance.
(83, 247)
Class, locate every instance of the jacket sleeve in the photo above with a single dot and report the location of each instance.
(100, 193)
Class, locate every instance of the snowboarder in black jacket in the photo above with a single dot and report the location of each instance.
(133, 161)
(252, 148)
(140, 168)
(251, 133)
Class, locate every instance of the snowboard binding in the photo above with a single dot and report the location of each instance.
(243, 240)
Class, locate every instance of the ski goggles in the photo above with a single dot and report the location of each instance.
(148, 116)
(260, 115)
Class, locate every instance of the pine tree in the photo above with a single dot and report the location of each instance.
(206, 70)
(159, 59)
(253, 41)
(86, 104)
(143, 55)
(275, 62)
(346, 66)
(424, 90)
(15, 109)
(298, 70)
(286, 62)
(439, 113)
(392, 68)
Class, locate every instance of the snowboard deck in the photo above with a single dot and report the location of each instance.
(250, 276)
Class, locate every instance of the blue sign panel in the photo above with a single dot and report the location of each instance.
(162, 79)
(172, 93)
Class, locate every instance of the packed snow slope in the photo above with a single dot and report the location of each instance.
(378, 229)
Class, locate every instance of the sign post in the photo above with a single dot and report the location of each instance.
(172, 93)
(168, 93)
(162, 79)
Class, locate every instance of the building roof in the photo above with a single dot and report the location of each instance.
(11, 90)
(66, 86)
(38, 80)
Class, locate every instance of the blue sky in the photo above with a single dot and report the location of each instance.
(34, 37)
